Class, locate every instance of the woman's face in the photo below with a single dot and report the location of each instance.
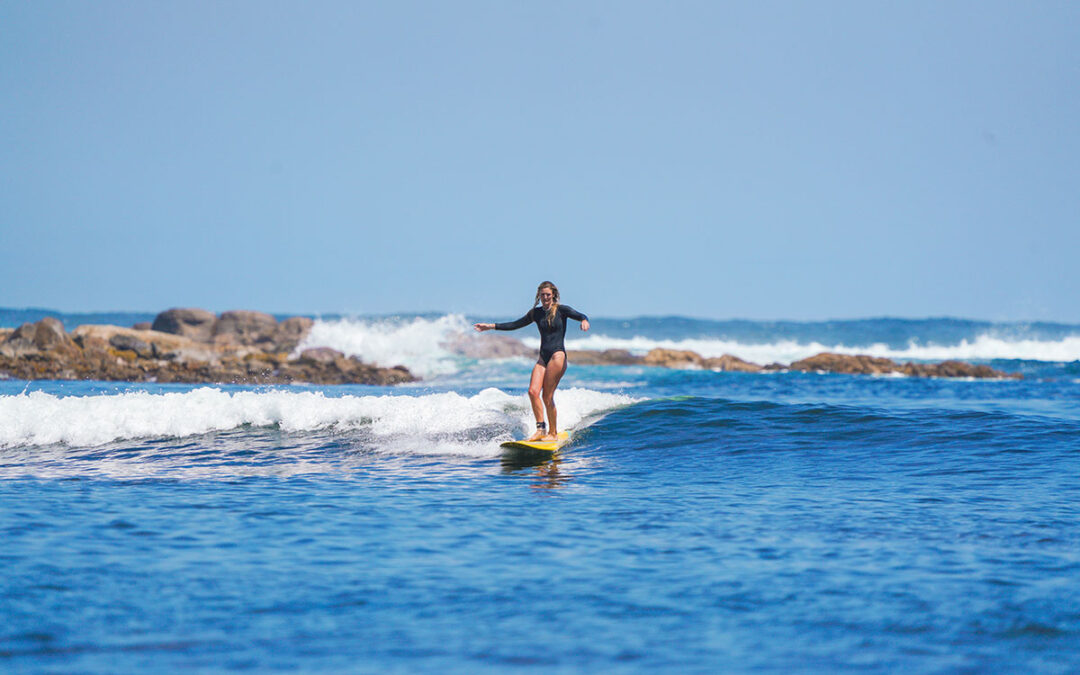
(547, 296)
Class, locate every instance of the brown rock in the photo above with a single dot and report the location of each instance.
(870, 365)
(20, 341)
(843, 363)
(607, 357)
(245, 327)
(291, 332)
(197, 324)
(955, 369)
(143, 325)
(673, 358)
(166, 346)
(486, 346)
(320, 356)
(46, 337)
(131, 343)
(92, 345)
(50, 334)
(730, 363)
(273, 358)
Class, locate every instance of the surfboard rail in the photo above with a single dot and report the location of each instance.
(543, 446)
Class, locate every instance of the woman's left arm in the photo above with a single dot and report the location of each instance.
(576, 316)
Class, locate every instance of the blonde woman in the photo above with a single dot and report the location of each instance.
(550, 317)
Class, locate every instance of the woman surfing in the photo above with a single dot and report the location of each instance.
(550, 317)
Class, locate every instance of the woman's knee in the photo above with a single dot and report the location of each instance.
(535, 392)
(549, 398)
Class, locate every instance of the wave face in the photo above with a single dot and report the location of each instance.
(439, 423)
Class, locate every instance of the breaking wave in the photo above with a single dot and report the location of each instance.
(414, 343)
(441, 423)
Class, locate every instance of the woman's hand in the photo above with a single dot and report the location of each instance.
(585, 325)
(481, 327)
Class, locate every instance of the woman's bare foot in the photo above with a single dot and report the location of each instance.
(550, 437)
(538, 436)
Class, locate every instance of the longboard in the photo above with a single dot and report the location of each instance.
(542, 446)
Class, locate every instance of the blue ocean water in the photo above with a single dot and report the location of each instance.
(699, 521)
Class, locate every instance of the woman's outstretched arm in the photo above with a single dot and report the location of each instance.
(511, 325)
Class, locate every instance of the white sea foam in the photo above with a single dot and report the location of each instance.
(439, 423)
(415, 343)
(982, 348)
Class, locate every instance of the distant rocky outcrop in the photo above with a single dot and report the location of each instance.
(674, 358)
(185, 345)
(236, 327)
(730, 363)
(485, 346)
(843, 363)
(245, 347)
(663, 358)
(875, 365)
(607, 357)
(498, 346)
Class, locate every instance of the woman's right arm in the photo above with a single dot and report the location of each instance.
(512, 325)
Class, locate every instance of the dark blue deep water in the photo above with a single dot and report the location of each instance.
(698, 522)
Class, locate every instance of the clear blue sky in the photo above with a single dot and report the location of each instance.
(796, 160)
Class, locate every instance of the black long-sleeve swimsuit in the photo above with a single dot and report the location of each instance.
(551, 334)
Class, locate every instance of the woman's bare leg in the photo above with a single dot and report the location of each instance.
(536, 384)
(556, 367)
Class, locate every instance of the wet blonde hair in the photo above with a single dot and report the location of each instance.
(554, 299)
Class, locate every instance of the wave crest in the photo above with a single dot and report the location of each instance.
(439, 423)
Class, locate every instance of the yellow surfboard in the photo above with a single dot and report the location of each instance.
(543, 446)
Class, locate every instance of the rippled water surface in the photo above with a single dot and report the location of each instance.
(698, 522)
